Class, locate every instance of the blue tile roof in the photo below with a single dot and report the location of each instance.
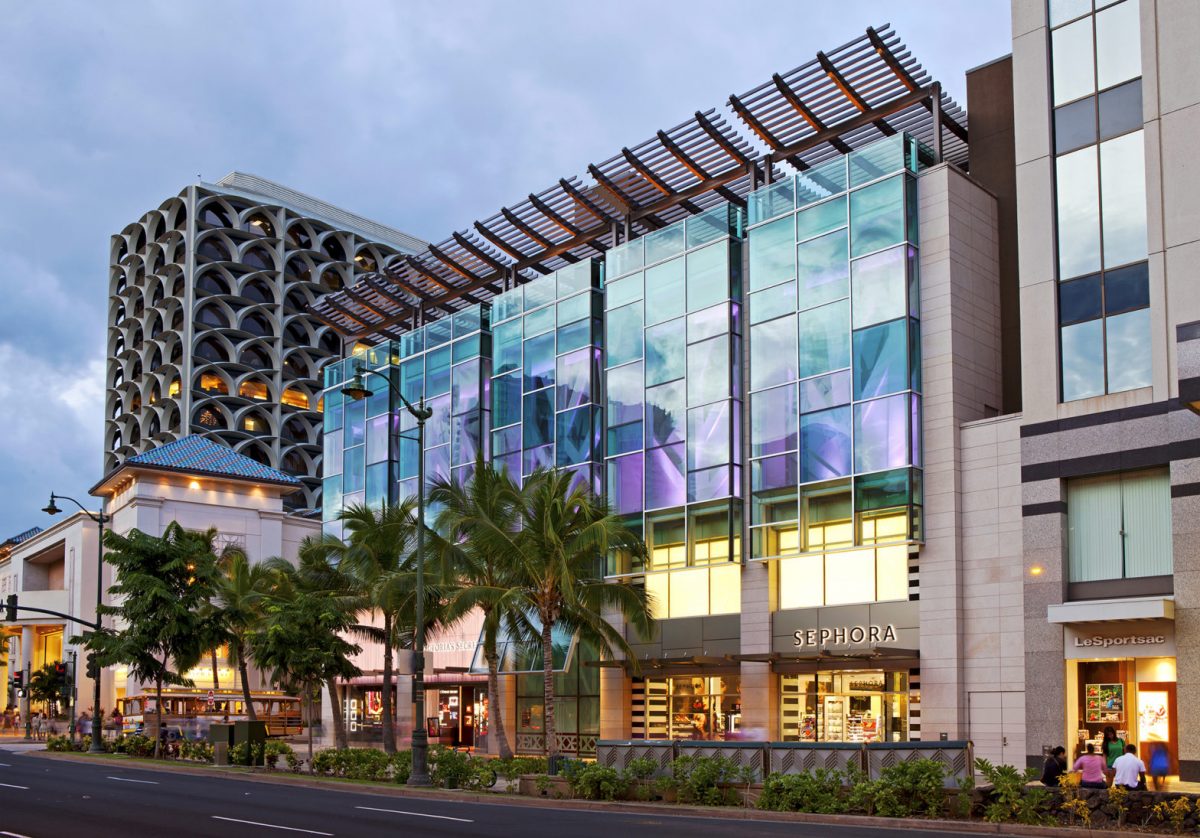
(20, 537)
(202, 456)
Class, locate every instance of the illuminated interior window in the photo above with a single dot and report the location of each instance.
(173, 390)
(321, 405)
(360, 348)
(295, 398)
(253, 390)
(881, 527)
(251, 423)
(212, 383)
(209, 418)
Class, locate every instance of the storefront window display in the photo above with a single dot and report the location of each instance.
(689, 707)
(363, 711)
(576, 708)
(1134, 696)
(850, 706)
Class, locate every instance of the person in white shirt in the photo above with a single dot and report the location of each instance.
(1128, 769)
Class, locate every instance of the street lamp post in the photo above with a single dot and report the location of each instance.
(97, 746)
(356, 390)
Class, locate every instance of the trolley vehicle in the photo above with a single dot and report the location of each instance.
(190, 711)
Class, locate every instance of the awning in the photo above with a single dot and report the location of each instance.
(1112, 610)
(877, 654)
(518, 658)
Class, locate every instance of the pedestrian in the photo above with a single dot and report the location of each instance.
(1091, 769)
(36, 724)
(1160, 764)
(1112, 747)
(1054, 767)
(1128, 770)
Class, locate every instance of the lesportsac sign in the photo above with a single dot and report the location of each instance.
(1102, 642)
(844, 635)
(1152, 639)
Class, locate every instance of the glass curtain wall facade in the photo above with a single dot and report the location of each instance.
(835, 377)
(1103, 291)
(673, 349)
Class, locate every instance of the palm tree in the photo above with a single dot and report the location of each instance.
(241, 587)
(555, 572)
(475, 525)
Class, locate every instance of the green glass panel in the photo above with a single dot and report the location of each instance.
(575, 335)
(823, 269)
(773, 353)
(539, 292)
(665, 348)
(772, 253)
(665, 291)
(879, 285)
(707, 276)
(437, 372)
(770, 201)
(773, 302)
(412, 378)
(377, 485)
(539, 321)
(876, 160)
(708, 371)
(824, 339)
(506, 399)
(664, 243)
(506, 341)
(820, 182)
(574, 308)
(881, 359)
(882, 491)
(574, 278)
(821, 218)
(877, 215)
(621, 291)
(354, 469)
(466, 348)
(623, 334)
(621, 260)
(711, 225)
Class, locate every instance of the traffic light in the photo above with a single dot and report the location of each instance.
(18, 680)
(60, 670)
(10, 609)
(93, 668)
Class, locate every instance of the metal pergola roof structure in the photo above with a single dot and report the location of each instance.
(869, 88)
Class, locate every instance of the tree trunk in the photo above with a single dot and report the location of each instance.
(339, 721)
(216, 678)
(308, 691)
(389, 721)
(548, 689)
(97, 721)
(495, 716)
(241, 656)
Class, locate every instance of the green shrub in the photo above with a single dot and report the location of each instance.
(642, 768)
(911, 788)
(401, 766)
(598, 782)
(199, 750)
(273, 750)
(458, 770)
(133, 744)
(511, 769)
(820, 791)
(1009, 798)
(59, 743)
(704, 780)
(293, 762)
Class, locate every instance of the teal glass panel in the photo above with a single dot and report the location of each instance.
(354, 431)
(881, 359)
(331, 462)
(621, 260)
(411, 343)
(624, 393)
(770, 201)
(466, 348)
(772, 302)
(664, 243)
(707, 276)
(876, 160)
(773, 353)
(881, 433)
(1127, 339)
(378, 431)
(708, 436)
(665, 352)
(506, 441)
(885, 490)
(820, 182)
(574, 379)
(506, 400)
(354, 469)
(539, 321)
(708, 323)
(381, 392)
(331, 497)
(708, 371)
(711, 224)
(508, 304)
(825, 444)
(412, 379)
(1083, 360)
(437, 427)
(665, 291)
(574, 278)
(574, 308)
(665, 414)
(466, 321)
(825, 391)
(437, 372)
(576, 335)
(773, 253)
(820, 219)
(877, 215)
(539, 292)
(623, 334)
(506, 347)
(576, 436)
(824, 339)
(539, 419)
(377, 485)
(879, 286)
(774, 421)
(334, 411)
(539, 362)
(464, 394)
(437, 465)
(466, 432)
(823, 269)
(621, 291)
(437, 333)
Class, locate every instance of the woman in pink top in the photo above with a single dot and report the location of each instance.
(1091, 767)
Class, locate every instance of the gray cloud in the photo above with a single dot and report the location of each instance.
(423, 115)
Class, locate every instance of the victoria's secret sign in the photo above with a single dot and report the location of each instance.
(844, 635)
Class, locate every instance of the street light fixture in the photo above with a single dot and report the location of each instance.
(357, 390)
(101, 519)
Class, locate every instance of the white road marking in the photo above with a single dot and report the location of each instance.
(7, 786)
(127, 780)
(415, 814)
(4, 765)
(13, 835)
(271, 825)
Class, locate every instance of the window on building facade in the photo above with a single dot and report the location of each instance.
(1119, 526)
(1103, 293)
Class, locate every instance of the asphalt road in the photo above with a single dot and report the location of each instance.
(45, 798)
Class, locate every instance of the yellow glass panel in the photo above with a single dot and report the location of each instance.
(737, 549)
(802, 582)
(849, 577)
(891, 568)
(657, 588)
(837, 535)
(725, 583)
(295, 398)
(789, 541)
(816, 537)
(689, 592)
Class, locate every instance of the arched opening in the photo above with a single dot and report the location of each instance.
(258, 259)
(214, 215)
(213, 316)
(173, 389)
(331, 280)
(209, 418)
(255, 423)
(213, 385)
(296, 333)
(333, 248)
(295, 397)
(365, 261)
(256, 325)
(210, 350)
(259, 225)
(212, 283)
(254, 389)
(299, 236)
(294, 463)
(296, 365)
(213, 250)
(257, 291)
(253, 356)
(257, 454)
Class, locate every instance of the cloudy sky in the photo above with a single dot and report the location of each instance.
(421, 115)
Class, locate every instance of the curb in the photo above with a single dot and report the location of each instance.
(624, 807)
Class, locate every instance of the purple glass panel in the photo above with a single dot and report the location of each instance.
(507, 441)
(437, 426)
(709, 484)
(708, 377)
(916, 431)
(538, 458)
(437, 464)
(737, 482)
(773, 355)
(707, 323)
(735, 318)
(407, 488)
(665, 485)
(463, 474)
(826, 391)
(575, 379)
(464, 390)
(881, 434)
(664, 413)
(825, 444)
(774, 421)
(539, 362)
(708, 436)
(510, 463)
(467, 429)
(625, 483)
(581, 477)
(625, 394)
(773, 473)
(377, 438)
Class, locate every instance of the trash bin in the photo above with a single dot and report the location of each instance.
(220, 734)
(254, 733)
